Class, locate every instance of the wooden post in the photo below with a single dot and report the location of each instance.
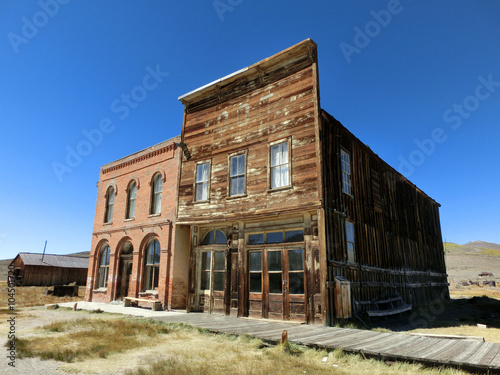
(284, 337)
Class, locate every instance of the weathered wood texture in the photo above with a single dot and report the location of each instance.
(284, 108)
(398, 241)
(48, 276)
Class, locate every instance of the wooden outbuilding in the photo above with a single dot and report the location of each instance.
(31, 269)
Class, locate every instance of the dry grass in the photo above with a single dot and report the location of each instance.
(474, 291)
(29, 296)
(204, 354)
(491, 252)
(490, 334)
(88, 338)
(144, 347)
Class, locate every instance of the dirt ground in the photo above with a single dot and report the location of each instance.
(468, 267)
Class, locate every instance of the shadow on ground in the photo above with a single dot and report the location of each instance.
(456, 312)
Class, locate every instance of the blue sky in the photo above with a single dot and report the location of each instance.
(417, 81)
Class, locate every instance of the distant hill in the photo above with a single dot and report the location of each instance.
(474, 247)
(482, 245)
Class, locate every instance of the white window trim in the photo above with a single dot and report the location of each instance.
(245, 175)
(208, 182)
(269, 173)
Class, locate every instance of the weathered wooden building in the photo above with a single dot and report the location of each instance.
(32, 269)
(289, 215)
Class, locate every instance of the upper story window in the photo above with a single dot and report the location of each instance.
(110, 201)
(237, 175)
(156, 194)
(104, 266)
(280, 165)
(132, 195)
(349, 235)
(152, 265)
(202, 172)
(345, 160)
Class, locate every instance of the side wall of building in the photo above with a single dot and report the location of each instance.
(398, 244)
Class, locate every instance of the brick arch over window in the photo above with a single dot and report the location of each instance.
(113, 185)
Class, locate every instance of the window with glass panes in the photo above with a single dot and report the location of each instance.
(202, 171)
(296, 271)
(280, 165)
(275, 270)
(237, 175)
(110, 202)
(293, 235)
(152, 268)
(349, 234)
(132, 195)
(205, 270)
(104, 266)
(345, 161)
(256, 272)
(214, 237)
(156, 194)
(219, 270)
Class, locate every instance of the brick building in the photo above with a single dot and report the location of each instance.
(133, 249)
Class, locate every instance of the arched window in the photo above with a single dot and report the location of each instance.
(104, 266)
(214, 237)
(152, 268)
(156, 194)
(110, 201)
(132, 194)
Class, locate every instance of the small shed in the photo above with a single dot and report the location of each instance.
(49, 269)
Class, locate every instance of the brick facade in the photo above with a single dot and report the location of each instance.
(128, 238)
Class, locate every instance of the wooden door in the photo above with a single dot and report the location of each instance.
(294, 293)
(212, 281)
(277, 284)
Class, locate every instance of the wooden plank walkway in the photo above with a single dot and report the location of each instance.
(472, 355)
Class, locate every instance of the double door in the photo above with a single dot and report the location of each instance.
(277, 284)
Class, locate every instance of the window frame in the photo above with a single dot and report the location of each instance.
(102, 279)
(149, 279)
(345, 173)
(108, 212)
(350, 240)
(287, 140)
(156, 196)
(230, 177)
(265, 233)
(130, 200)
(207, 182)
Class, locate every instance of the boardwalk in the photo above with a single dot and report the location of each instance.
(472, 355)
